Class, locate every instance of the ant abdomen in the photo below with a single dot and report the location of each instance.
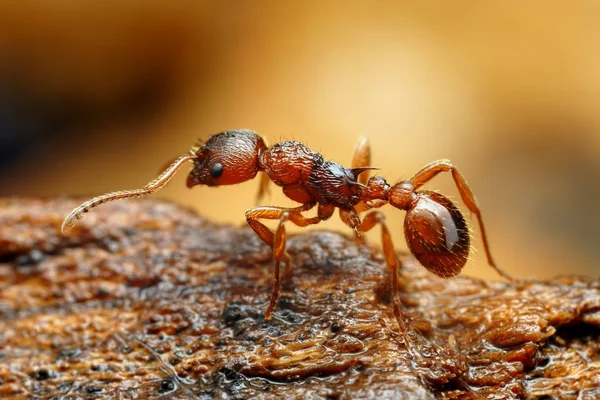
(437, 234)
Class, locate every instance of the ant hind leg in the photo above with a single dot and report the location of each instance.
(437, 364)
(391, 259)
(433, 169)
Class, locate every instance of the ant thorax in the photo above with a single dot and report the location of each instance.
(335, 185)
(306, 177)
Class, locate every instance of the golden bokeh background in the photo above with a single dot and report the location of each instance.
(97, 96)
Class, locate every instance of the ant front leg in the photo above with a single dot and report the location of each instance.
(430, 171)
(267, 212)
(277, 241)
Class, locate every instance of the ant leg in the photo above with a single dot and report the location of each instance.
(362, 158)
(267, 212)
(369, 205)
(437, 363)
(277, 241)
(263, 187)
(278, 252)
(360, 167)
(391, 259)
(430, 171)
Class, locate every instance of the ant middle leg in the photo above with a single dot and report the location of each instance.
(433, 169)
(277, 240)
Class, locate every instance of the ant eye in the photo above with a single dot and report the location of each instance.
(216, 170)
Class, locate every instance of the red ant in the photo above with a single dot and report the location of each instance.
(435, 230)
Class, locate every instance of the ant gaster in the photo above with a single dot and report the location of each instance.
(435, 230)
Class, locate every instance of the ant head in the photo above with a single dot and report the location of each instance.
(227, 158)
(437, 234)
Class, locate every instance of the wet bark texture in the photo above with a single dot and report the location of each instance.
(144, 299)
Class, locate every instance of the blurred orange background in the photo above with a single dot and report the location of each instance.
(98, 96)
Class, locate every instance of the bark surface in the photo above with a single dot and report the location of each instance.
(145, 299)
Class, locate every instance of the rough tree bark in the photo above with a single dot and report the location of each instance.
(144, 299)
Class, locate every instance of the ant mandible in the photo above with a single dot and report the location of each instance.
(435, 230)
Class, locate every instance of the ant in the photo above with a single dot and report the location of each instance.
(435, 230)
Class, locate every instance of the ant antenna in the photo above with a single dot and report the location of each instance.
(150, 188)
